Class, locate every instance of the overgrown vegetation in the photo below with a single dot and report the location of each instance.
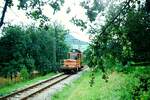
(28, 49)
(124, 38)
(120, 42)
(13, 86)
(121, 86)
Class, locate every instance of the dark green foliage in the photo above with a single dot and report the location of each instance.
(124, 37)
(88, 57)
(147, 5)
(31, 48)
(137, 26)
(142, 89)
(13, 49)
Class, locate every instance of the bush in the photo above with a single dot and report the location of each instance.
(24, 73)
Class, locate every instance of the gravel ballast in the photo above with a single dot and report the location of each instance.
(46, 94)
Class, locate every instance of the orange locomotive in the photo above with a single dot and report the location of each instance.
(73, 63)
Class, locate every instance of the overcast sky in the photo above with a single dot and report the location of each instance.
(18, 17)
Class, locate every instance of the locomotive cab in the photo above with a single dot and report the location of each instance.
(73, 63)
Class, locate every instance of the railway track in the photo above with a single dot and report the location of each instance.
(30, 91)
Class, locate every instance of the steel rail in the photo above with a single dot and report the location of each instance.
(30, 87)
(42, 89)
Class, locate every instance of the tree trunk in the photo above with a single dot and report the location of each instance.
(11, 76)
(3, 12)
(54, 47)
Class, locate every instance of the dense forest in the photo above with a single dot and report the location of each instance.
(32, 49)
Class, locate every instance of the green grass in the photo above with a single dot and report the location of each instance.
(119, 87)
(14, 86)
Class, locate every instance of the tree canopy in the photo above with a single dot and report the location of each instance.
(31, 48)
(121, 37)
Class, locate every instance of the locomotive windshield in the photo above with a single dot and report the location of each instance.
(74, 56)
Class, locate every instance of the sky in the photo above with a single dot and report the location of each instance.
(18, 17)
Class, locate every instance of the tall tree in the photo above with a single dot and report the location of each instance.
(121, 35)
(31, 48)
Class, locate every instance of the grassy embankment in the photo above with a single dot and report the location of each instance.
(120, 86)
(4, 90)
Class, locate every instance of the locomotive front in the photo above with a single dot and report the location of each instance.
(73, 63)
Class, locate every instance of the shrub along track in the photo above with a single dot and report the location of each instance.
(30, 91)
